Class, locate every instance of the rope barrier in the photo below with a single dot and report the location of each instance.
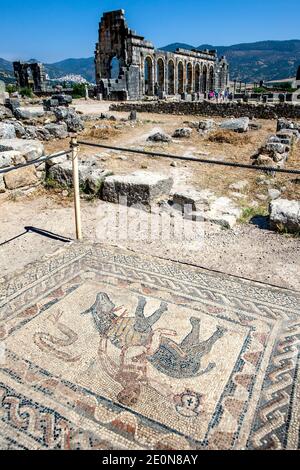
(199, 160)
(35, 161)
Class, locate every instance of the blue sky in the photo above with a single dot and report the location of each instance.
(53, 30)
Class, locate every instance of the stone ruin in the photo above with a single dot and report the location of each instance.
(275, 152)
(129, 68)
(30, 75)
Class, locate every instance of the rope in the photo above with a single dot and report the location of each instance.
(35, 162)
(199, 160)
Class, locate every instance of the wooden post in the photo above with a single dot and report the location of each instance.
(75, 148)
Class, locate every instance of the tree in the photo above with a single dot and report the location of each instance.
(78, 90)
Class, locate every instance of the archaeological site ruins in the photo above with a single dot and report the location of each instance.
(129, 67)
(30, 75)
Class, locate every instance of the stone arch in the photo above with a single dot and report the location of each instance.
(189, 77)
(180, 75)
(148, 73)
(197, 78)
(171, 77)
(211, 81)
(114, 68)
(160, 74)
(204, 80)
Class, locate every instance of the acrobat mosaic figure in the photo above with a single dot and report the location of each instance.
(174, 360)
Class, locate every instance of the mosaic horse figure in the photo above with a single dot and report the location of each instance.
(174, 360)
(124, 331)
(184, 360)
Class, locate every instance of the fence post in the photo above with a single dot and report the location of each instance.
(75, 149)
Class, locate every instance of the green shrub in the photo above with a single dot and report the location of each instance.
(26, 92)
(78, 90)
(251, 212)
(10, 88)
(260, 90)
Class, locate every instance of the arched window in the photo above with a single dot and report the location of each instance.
(114, 68)
(204, 80)
(171, 78)
(160, 79)
(148, 71)
(189, 75)
(197, 78)
(211, 81)
(180, 78)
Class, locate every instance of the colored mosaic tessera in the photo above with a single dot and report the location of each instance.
(105, 349)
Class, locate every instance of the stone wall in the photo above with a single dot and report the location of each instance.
(206, 108)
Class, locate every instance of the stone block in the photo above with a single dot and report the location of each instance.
(140, 187)
(7, 131)
(90, 178)
(236, 125)
(193, 199)
(29, 113)
(285, 215)
(11, 158)
(57, 131)
(30, 149)
(206, 125)
(5, 113)
(183, 132)
(21, 178)
(159, 137)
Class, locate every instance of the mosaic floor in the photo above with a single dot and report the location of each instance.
(105, 349)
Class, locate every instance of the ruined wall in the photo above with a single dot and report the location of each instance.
(213, 109)
(30, 75)
(129, 67)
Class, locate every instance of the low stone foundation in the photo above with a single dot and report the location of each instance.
(205, 108)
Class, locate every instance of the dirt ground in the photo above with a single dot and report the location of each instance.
(249, 250)
(200, 176)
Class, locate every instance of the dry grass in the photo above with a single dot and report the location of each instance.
(104, 133)
(229, 137)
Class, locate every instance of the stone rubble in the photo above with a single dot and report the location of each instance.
(236, 125)
(239, 185)
(275, 152)
(28, 113)
(285, 215)
(159, 137)
(35, 123)
(30, 149)
(206, 206)
(7, 131)
(5, 113)
(183, 132)
(70, 117)
(206, 125)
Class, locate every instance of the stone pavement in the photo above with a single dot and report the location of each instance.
(105, 349)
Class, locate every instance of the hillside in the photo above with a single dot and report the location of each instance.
(265, 60)
(84, 67)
